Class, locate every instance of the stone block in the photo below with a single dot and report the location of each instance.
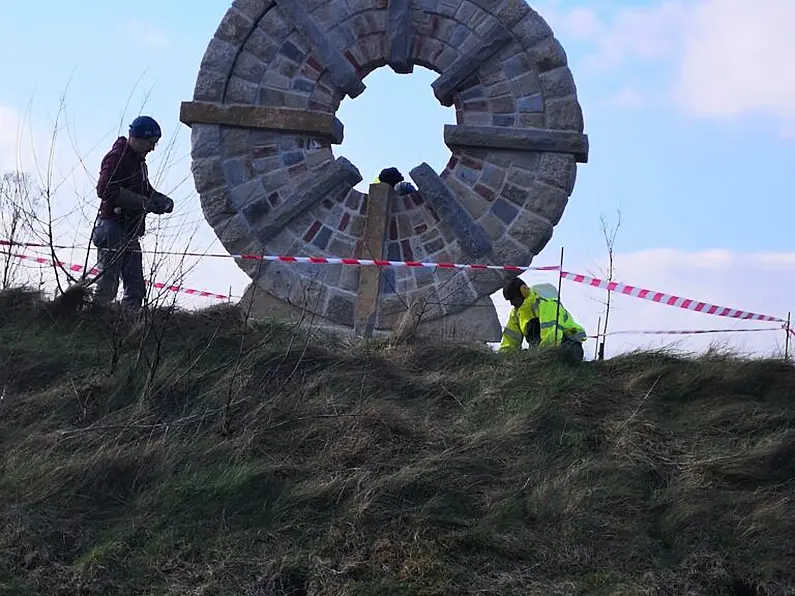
(210, 86)
(342, 73)
(234, 27)
(518, 139)
(220, 56)
(340, 309)
(511, 12)
(249, 67)
(208, 173)
(565, 114)
(205, 140)
(307, 122)
(261, 45)
(526, 84)
(531, 29)
(557, 83)
(547, 201)
(399, 32)
(494, 227)
(340, 172)
(548, 55)
(531, 104)
(234, 233)
(252, 9)
(531, 231)
(241, 91)
(558, 170)
(243, 194)
(471, 235)
(235, 141)
(215, 206)
(467, 64)
(237, 170)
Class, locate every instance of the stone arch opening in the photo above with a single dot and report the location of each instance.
(396, 122)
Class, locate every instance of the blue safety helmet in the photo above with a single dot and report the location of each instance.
(145, 127)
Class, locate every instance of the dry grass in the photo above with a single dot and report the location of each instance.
(370, 469)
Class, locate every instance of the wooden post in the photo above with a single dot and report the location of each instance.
(596, 347)
(560, 284)
(371, 246)
(786, 340)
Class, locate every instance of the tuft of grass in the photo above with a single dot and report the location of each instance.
(200, 453)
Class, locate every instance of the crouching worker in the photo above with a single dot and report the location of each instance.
(533, 318)
(126, 198)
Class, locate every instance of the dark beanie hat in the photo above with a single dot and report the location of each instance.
(390, 176)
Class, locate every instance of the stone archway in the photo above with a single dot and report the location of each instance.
(263, 124)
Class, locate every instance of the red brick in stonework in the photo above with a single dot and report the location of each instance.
(344, 222)
(452, 163)
(297, 170)
(310, 233)
(475, 164)
(484, 192)
(408, 254)
(421, 229)
(352, 59)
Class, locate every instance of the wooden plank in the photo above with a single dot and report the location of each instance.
(371, 246)
(308, 122)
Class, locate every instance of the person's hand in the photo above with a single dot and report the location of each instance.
(161, 203)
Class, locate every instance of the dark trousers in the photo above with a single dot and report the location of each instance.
(119, 256)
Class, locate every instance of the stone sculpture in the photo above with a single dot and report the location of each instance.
(263, 124)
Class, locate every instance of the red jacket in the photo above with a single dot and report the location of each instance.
(123, 168)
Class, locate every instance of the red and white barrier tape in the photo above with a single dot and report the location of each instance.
(669, 300)
(95, 271)
(384, 263)
(325, 260)
(693, 332)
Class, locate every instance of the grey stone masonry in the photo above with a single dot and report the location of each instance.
(519, 139)
(343, 74)
(465, 65)
(399, 36)
(264, 164)
(340, 172)
(470, 234)
(321, 124)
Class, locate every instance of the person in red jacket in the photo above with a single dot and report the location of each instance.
(126, 197)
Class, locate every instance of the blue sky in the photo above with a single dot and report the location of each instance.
(689, 106)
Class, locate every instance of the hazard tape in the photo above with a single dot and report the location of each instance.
(692, 332)
(668, 299)
(322, 260)
(94, 271)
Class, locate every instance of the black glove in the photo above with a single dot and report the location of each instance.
(161, 204)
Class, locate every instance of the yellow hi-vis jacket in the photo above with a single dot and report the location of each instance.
(543, 309)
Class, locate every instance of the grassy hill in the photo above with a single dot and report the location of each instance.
(202, 455)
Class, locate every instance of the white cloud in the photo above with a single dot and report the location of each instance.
(148, 34)
(628, 98)
(756, 282)
(727, 58)
(737, 59)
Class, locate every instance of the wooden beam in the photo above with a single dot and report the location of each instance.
(308, 122)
